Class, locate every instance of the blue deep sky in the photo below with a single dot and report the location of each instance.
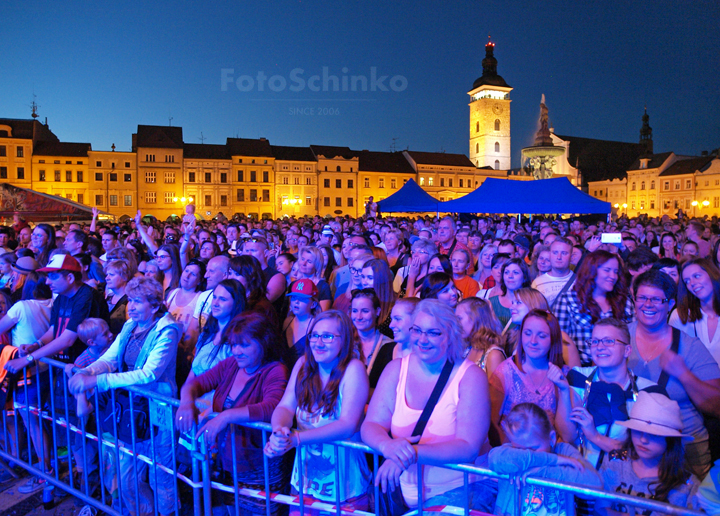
(101, 68)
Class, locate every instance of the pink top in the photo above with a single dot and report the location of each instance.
(518, 388)
(440, 428)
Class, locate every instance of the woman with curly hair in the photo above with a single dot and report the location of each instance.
(600, 291)
(326, 394)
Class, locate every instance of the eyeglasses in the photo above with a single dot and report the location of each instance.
(608, 343)
(161, 256)
(430, 334)
(355, 270)
(326, 338)
(647, 301)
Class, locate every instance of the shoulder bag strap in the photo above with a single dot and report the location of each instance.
(564, 289)
(664, 377)
(434, 397)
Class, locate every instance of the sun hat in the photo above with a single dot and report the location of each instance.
(303, 288)
(62, 262)
(656, 414)
(327, 230)
(26, 265)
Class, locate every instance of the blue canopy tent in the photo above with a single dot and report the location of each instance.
(555, 195)
(410, 198)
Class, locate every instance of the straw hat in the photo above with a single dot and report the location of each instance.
(655, 414)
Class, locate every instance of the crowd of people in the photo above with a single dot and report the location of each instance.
(520, 345)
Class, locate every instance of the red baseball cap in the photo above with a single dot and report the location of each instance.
(62, 262)
(303, 287)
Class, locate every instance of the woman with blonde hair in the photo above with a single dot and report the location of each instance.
(481, 331)
(310, 266)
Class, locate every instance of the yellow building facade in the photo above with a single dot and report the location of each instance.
(337, 181)
(113, 182)
(296, 181)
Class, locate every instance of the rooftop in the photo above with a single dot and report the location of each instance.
(686, 166)
(330, 152)
(67, 149)
(249, 147)
(440, 158)
(598, 160)
(292, 153)
(205, 151)
(28, 129)
(158, 137)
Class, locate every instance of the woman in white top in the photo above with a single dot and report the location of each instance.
(699, 303)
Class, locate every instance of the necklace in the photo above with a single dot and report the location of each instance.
(648, 355)
(536, 385)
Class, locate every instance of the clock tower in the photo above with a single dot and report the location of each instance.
(490, 116)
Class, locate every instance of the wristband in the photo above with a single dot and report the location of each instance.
(40, 343)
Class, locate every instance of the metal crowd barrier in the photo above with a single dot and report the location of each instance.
(64, 425)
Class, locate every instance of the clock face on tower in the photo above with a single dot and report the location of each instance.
(497, 109)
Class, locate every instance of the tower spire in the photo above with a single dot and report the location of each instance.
(646, 133)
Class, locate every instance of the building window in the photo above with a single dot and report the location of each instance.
(497, 124)
(113, 200)
(600, 193)
(632, 187)
(652, 185)
(169, 197)
(113, 176)
(98, 164)
(632, 205)
(191, 177)
(497, 146)
(208, 200)
(677, 184)
(716, 202)
(150, 197)
(223, 177)
(707, 183)
(422, 181)
(497, 165)
(266, 175)
(308, 180)
(150, 157)
(208, 177)
(127, 178)
(169, 158)
(367, 182)
(666, 185)
(337, 169)
(308, 201)
(20, 152)
(128, 200)
(285, 180)
(240, 195)
(127, 164)
(642, 205)
(3, 172)
(350, 202)
(169, 177)
(240, 160)
(68, 196)
(393, 184)
(326, 183)
(99, 200)
(253, 195)
(687, 204)
(477, 148)
(68, 176)
(57, 176)
(717, 182)
(688, 184)
(98, 176)
(642, 186)
(381, 182)
(296, 180)
(149, 177)
(42, 175)
(241, 175)
(430, 181)
(3, 150)
(338, 183)
(21, 173)
(477, 127)
(326, 201)
(338, 201)
(266, 196)
(253, 176)
(652, 205)
(223, 200)
(442, 181)
(450, 183)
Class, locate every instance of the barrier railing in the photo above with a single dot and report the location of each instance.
(69, 450)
